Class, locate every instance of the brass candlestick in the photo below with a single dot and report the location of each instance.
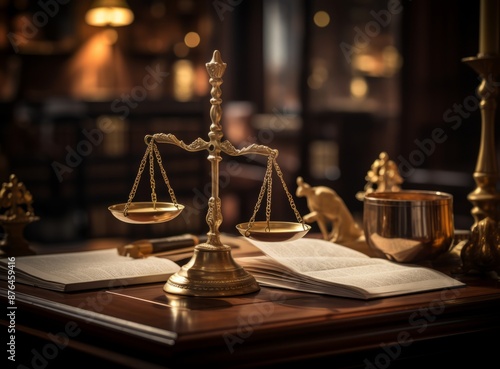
(212, 270)
(482, 250)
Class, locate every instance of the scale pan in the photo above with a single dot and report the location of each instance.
(146, 213)
(277, 231)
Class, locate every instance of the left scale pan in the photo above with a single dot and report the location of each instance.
(146, 212)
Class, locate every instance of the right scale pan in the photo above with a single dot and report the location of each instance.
(273, 231)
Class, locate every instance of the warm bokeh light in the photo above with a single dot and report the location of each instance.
(192, 39)
(97, 70)
(378, 63)
(392, 60)
(359, 87)
(321, 18)
(109, 13)
(183, 80)
(367, 64)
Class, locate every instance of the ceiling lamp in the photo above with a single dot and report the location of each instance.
(113, 13)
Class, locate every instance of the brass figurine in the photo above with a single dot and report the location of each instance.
(383, 176)
(327, 208)
(17, 200)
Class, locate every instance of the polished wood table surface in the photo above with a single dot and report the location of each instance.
(144, 327)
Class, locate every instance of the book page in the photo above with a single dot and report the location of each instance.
(77, 267)
(386, 276)
(325, 267)
(310, 247)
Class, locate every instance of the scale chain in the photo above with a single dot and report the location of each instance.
(137, 179)
(269, 193)
(151, 148)
(267, 176)
(268, 182)
(290, 198)
(164, 175)
(152, 175)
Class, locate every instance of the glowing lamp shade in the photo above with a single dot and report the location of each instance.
(113, 13)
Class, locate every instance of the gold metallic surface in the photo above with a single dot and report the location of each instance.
(481, 253)
(329, 211)
(211, 270)
(256, 229)
(486, 198)
(383, 176)
(146, 212)
(273, 231)
(408, 226)
(18, 212)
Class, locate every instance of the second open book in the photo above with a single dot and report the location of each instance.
(319, 266)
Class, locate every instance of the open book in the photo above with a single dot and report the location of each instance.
(78, 271)
(319, 266)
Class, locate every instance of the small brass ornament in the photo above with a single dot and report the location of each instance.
(329, 211)
(17, 202)
(383, 176)
(481, 252)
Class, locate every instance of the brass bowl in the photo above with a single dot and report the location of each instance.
(146, 212)
(409, 226)
(273, 231)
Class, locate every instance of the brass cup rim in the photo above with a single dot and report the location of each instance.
(411, 198)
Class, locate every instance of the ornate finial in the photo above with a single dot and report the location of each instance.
(382, 176)
(17, 200)
(216, 67)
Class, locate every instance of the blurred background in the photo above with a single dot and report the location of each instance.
(330, 84)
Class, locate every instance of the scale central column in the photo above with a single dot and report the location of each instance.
(215, 69)
(212, 270)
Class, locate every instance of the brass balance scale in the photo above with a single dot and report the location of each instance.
(212, 270)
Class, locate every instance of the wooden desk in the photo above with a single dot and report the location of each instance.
(143, 327)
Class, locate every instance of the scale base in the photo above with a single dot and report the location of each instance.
(211, 271)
